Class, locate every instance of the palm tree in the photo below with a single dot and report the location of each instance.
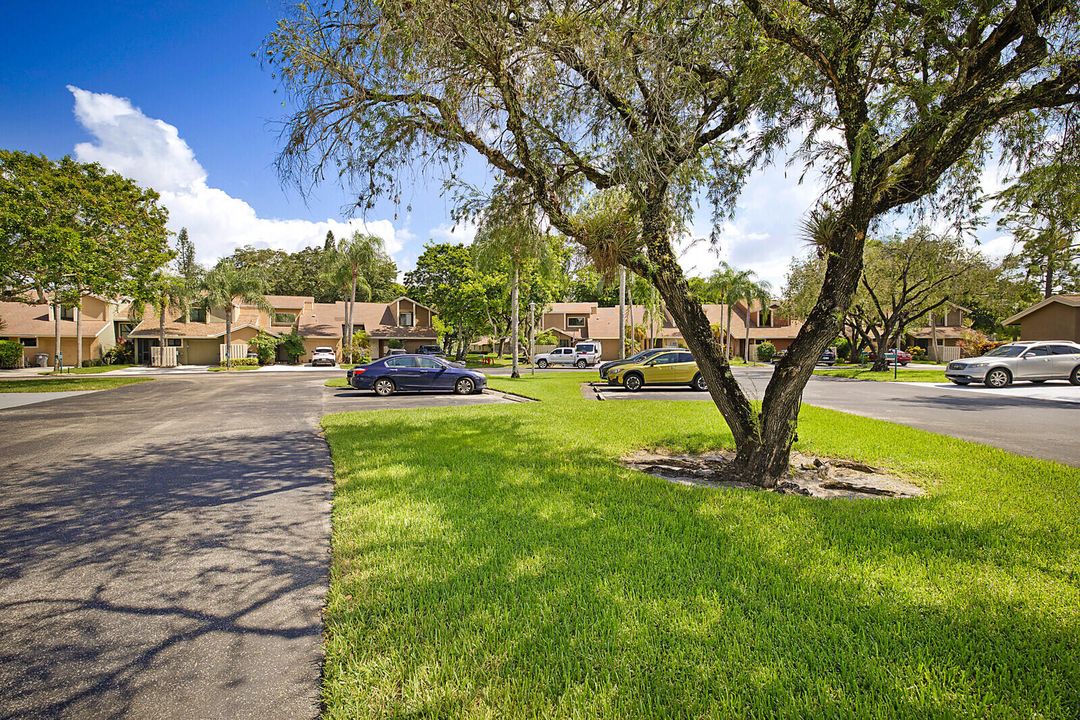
(223, 287)
(761, 292)
(164, 291)
(731, 286)
(511, 232)
(353, 267)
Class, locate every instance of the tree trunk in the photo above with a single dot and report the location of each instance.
(349, 319)
(727, 333)
(1048, 284)
(514, 325)
(746, 340)
(763, 440)
(58, 363)
(228, 338)
(78, 333)
(630, 313)
(622, 313)
(881, 346)
(161, 336)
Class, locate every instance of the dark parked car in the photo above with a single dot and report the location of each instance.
(890, 357)
(827, 358)
(642, 356)
(431, 350)
(415, 372)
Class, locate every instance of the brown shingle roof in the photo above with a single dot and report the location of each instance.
(32, 320)
(326, 319)
(289, 302)
(1069, 300)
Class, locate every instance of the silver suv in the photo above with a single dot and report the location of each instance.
(1035, 362)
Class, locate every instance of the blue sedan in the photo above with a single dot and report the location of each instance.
(415, 372)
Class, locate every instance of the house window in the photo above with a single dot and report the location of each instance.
(284, 318)
(575, 321)
(197, 314)
(28, 342)
(405, 319)
(67, 313)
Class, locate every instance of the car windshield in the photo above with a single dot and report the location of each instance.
(1007, 351)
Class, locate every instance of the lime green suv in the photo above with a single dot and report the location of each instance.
(675, 367)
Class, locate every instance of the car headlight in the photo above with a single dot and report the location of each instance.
(975, 365)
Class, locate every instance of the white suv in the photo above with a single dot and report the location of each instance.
(323, 356)
(581, 355)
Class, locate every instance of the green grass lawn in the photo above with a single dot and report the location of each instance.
(234, 368)
(94, 370)
(496, 561)
(63, 384)
(337, 382)
(473, 360)
(863, 372)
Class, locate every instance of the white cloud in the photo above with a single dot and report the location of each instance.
(152, 152)
(463, 232)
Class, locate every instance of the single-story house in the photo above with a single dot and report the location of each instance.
(1055, 318)
(941, 337)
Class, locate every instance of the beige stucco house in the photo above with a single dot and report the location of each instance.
(201, 337)
(32, 324)
(574, 321)
(1055, 318)
(941, 337)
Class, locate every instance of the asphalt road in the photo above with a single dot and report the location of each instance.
(1015, 419)
(164, 551)
(164, 547)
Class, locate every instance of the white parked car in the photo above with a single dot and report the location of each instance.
(581, 355)
(323, 356)
(1028, 360)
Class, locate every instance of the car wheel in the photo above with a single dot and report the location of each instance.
(464, 386)
(1074, 376)
(581, 364)
(699, 383)
(961, 382)
(633, 382)
(541, 363)
(998, 378)
(383, 387)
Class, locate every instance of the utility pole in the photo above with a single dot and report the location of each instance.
(622, 313)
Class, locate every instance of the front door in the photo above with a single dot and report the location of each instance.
(564, 356)
(1034, 364)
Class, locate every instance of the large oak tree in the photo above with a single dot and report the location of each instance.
(654, 102)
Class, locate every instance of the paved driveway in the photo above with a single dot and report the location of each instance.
(163, 551)
(1015, 419)
(164, 547)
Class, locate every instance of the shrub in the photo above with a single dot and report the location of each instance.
(974, 343)
(395, 344)
(293, 345)
(243, 362)
(10, 353)
(360, 348)
(122, 353)
(843, 348)
(917, 352)
(766, 351)
(546, 338)
(265, 345)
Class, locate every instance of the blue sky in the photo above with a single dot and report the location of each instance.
(169, 93)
